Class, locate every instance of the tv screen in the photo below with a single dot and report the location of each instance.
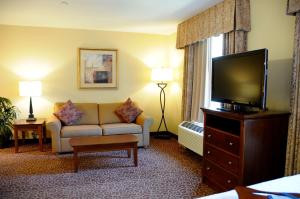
(240, 78)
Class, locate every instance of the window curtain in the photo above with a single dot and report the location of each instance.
(225, 17)
(235, 41)
(293, 143)
(194, 81)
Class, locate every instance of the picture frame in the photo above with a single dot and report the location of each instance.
(97, 68)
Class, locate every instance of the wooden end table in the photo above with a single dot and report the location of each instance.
(104, 143)
(23, 126)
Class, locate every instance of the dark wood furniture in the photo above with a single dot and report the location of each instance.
(23, 126)
(243, 149)
(104, 143)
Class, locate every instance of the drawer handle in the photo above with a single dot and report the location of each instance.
(209, 135)
(208, 152)
(228, 181)
(207, 168)
(229, 162)
(230, 143)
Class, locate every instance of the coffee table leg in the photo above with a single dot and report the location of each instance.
(129, 153)
(75, 159)
(135, 155)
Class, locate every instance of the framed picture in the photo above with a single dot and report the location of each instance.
(97, 68)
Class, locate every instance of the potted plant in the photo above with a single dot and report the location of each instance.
(8, 114)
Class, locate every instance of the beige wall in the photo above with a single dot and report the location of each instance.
(271, 28)
(50, 55)
(174, 90)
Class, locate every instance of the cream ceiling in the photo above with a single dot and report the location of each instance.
(146, 16)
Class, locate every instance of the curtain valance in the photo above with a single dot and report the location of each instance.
(293, 6)
(224, 17)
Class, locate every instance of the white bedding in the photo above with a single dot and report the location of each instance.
(285, 184)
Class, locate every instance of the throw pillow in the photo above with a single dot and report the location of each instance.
(68, 113)
(128, 111)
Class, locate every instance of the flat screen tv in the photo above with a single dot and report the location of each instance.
(241, 79)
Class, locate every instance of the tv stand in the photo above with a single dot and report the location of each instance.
(243, 149)
(244, 111)
(237, 108)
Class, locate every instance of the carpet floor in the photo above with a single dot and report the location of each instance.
(165, 170)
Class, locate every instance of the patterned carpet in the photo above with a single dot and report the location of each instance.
(165, 170)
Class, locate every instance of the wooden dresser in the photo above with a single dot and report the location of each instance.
(243, 149)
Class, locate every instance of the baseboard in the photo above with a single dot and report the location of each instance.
(172, 135)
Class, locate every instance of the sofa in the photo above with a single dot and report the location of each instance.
(97, 120)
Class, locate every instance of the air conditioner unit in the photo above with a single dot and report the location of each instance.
(190, 135)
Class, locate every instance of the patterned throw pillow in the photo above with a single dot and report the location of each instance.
(68, 113)
(128, 111)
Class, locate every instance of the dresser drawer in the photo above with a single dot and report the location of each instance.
(225, 160)
(219, 176)
(225, 141)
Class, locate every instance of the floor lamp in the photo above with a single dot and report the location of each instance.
(161, 76)
(30, 89)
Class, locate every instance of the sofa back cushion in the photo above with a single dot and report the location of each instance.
(68, 114)
(90, 112)
(107, 113)
(128, 111)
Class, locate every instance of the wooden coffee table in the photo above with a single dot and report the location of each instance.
(104, 143)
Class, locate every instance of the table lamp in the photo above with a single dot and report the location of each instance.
(162, 76)
(30, 89)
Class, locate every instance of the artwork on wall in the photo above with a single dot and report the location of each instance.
(97, 68)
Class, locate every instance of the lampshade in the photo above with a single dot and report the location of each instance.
(162, 74)
(30, 88)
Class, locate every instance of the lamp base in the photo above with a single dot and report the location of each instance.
(162, 135)
(31, 119)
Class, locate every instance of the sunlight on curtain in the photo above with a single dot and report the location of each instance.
(214, 49)
(217, 46)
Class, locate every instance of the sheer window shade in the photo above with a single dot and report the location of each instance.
(194, 81)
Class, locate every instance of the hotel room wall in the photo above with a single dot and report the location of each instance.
(271, 28)
(174, 98)
(50, 55)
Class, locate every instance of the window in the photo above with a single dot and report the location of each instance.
(216, 46)
(214, 49)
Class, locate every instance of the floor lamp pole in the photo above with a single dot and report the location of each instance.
(162, 99)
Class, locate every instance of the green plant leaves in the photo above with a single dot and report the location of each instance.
(8, 113)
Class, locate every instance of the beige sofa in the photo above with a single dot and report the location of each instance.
(97, 120)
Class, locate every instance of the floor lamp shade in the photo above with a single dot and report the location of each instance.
(30, 89)
(162, 75)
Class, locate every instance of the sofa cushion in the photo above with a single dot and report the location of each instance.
(80, 130)
(90, 112)
(68, 113)
(121, 128)
(128, 111)
(107, 114)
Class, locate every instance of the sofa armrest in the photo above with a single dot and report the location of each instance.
(53, 125)
(145, 122)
